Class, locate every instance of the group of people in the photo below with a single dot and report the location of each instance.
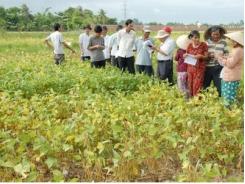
(198, 63)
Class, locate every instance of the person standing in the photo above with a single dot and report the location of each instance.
(83, 43)
(107, 40)
(233, 67)
(214, 37)
(199, 51)
(126, 41)
(57, 44)
(96, 46)
(165, 56)
(144, 53)
(182, 42)
(113, 47)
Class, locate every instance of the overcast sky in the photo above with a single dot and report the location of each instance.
(186, 11)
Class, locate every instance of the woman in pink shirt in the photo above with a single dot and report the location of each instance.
(232, 71)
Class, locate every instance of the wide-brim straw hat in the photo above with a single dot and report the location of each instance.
(162, 34)
(208, 32)
(183, 42)
(237, 37)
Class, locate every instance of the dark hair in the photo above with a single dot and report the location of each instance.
(129, 21)
(98, 29)
(119, 27)
(56, 26)
(209, 31)
(87, 27)
(105, 28)
(194, 33)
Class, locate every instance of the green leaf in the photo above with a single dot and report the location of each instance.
(6, 164)
(100, 147)
(152, 130)
(186, 164)
(51, 162)
(22, 169)
(67, 147)
(189, 140)
(32, 177)
(58, 176)
(127, 154)
(74, 180)
(77, 157)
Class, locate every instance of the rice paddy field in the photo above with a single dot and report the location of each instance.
(74, 123)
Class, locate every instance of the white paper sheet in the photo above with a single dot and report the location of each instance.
(190, 60)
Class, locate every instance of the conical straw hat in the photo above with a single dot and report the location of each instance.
(183, 41)
(236, 36)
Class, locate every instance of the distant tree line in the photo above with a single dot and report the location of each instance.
(21, 19)
(237, 24)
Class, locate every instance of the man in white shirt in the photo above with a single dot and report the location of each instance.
(83, 43)
(113, 47)
(144, 53)
(165, 56)
(126, 39)
(57, 44)
(106, 42)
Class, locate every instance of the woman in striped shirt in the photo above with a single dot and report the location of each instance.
(217, 45)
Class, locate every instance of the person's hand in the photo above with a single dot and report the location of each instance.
(220, 61)
(198, 56)
(100, 47)
(211, 55)
(185, 55)
(154, 48)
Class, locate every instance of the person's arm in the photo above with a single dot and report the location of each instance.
(177, 56)
(102, 46)
(203, 56)
(61, 39)
(158, 50)
(68, 47)
(169, 48)
(118, 39)
(231, 61)
(200, 56)
(92, 47)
